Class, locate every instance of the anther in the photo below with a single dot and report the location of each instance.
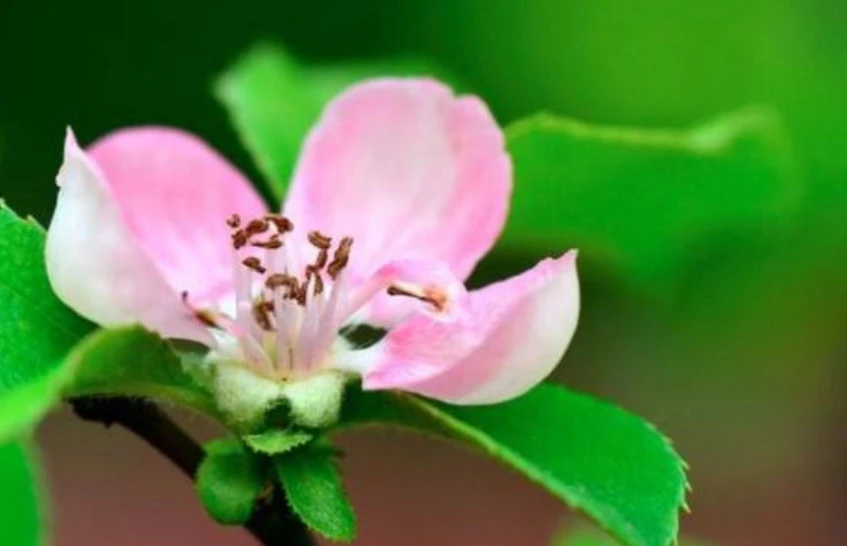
(313, 272)
(208, 319)
(282, 224)
(272, 243)
(261, 314)
(253, 263)
(340, 257)
(320, 240)
(280, 280)
(323, 257)
(254, 227)
(234, 221)
(434, 297)
(239, 239)
(303, 290)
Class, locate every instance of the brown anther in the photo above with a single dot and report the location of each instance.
(303, 290)
(323, 257)
(239, 239)
(234, 221)
(282, 224)
(253, 263)
(254, 227)
(319, 284)
(432, 296)
(261, 314)
(320, 240)
(207, 318)
(340, 257)
(272, 243)
(313, 273)
(184, 296)
(276, 280)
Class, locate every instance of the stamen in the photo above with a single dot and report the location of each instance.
(340, 257)
(433, 296)
(313, 271)
(239, 239)
(303, 290)
(234, 221)
(282, 224)
(262, 314)
(271, 244)
(254, 227)
(323, 257)
(252, 262)
(320, 240)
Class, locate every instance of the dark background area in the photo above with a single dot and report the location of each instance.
(744, 369)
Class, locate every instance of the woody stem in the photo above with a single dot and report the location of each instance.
(272, 521)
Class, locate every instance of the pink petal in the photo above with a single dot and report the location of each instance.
(510, 336)
(96, 266)
(407, 169)
(174, 194)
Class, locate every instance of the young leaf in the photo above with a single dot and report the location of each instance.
(277, 442)
(271, 109)
(229, 481)
(22, 407)
(314, 491)
(273, 102)
(22, 515)
(36, 329)
(131, 361)
(638, 198)
(593, 456)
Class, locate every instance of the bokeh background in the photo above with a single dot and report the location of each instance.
(743, 363)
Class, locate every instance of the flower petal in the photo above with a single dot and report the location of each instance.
(407, 169)
(509, 337)
(175, 193)
(94, 263)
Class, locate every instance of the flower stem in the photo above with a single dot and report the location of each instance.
(272, 522)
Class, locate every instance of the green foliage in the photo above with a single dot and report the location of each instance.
(21, 514)
(271, 109)
(277, 442)
(229, 481)
(636, 199)
(595, 457)
(131, 361)
(315, 492)
(273, 102)
(36, 329)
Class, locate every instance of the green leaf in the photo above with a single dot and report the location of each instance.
(36, 329)
(637, 199)
(271, 110)
(314, 491)
(590, 537)
(595, 457)
(22, 516)
(23, 407)
(131, 361)
(277, 442)
(229, 481)
(273, 102)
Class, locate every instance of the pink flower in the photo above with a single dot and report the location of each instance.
(400, 189)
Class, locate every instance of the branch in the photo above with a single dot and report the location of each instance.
(272, 523)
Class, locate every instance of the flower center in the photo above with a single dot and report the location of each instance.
(286, 312)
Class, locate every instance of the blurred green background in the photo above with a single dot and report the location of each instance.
(741, 359)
